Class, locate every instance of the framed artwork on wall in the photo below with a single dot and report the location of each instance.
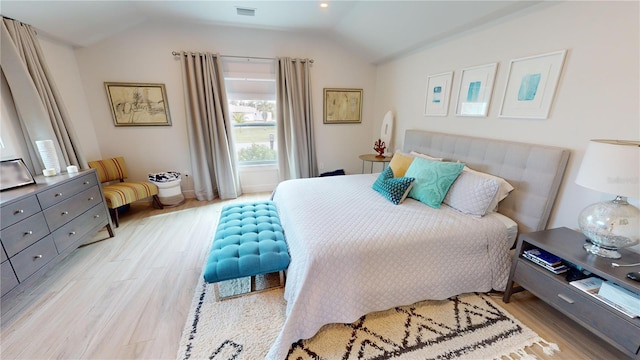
(138, 104)
(531, 85)
(475, 90)
(436, 101)
(342, 106)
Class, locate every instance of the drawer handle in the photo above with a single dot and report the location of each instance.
(91, 198)
(37, 257)
(87, 182)
(64, 213)
(96, 216)
(28, 233)
(72, 233)
(58, 195)
(18, 212)
(565, 298)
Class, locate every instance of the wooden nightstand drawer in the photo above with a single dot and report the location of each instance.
(581, 307)
(17, 237)
(19, 210)
(65, 191)
(72, 207)
(33, 258)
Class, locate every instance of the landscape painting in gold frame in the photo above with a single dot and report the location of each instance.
(342, 106)
(138, 104)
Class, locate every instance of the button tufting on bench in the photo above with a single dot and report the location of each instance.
(249, 241)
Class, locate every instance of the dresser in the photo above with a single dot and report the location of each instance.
(42, 223)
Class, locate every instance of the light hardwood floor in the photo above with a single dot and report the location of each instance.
(128, 297)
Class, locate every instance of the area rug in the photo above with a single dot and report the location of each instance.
(469, 326)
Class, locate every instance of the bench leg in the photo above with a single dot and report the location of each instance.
(216, 291)
(281, 278)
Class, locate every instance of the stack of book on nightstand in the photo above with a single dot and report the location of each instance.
(546, 260)
(611, 294)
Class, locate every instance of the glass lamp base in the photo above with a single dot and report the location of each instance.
(600, 251)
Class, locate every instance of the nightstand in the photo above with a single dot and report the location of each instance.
(611, 325)
(373, 158)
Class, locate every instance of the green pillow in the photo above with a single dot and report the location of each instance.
(394, 189)
(433, 180)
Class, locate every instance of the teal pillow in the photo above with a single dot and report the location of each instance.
(394, 189)
(432, 180)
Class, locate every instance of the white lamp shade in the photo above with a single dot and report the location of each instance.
(611, 166)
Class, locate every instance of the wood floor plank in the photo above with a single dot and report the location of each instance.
(128, 297)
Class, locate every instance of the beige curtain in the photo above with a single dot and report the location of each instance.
(213, 159)
(39, 104)
(296, 145)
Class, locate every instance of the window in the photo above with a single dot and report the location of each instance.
(251, 91)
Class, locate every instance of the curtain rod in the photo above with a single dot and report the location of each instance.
(176, 53)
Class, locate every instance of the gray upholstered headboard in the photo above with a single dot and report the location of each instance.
(535, 171)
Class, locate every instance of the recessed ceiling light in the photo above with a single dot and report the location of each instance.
(324, 5)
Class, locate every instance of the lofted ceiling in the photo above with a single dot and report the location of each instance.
(378, 30)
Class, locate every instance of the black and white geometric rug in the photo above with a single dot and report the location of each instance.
(469, 326)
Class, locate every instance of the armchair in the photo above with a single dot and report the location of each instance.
(118, 194)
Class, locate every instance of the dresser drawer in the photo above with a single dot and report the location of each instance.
(8, 278)
(72, 207)
(18, 237)
(3, 255)
(587, 310)
(80, 226)
(33, 258)
(67, 190)
(19, 210)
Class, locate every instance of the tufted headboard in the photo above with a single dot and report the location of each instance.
(535, 171)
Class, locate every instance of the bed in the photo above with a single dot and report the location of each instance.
(354, 252)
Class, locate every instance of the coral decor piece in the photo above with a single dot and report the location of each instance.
(379, 147)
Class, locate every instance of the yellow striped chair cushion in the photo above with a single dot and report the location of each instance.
(120, 194)
(110, 169)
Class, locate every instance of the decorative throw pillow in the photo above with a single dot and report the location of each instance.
(433, 179)
(504, 188)
(471, 193)
(400, 163)
(394, 189)
(424, 156)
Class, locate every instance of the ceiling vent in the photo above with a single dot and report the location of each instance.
(246, 11)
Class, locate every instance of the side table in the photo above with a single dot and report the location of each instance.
(613, 326)
(373, 158)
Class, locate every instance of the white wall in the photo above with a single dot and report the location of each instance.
(597, 96)
(143, 54)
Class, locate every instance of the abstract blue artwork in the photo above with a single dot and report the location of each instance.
(474, 91)
(529, 87)
(437, 94)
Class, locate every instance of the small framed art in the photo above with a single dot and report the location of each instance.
(476, 87)
(138, 104)
(531, 85)
(436, 101)
(342, 106)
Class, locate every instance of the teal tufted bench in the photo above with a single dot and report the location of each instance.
(249, 241)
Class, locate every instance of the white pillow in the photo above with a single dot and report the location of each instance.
(504, 188)
(472, 193)
(424, 156)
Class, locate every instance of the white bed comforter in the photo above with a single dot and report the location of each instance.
(354, 252)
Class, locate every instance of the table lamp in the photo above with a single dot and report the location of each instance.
(613, 167)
